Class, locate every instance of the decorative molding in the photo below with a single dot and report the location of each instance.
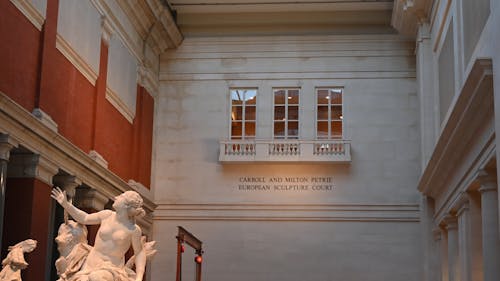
(408, 14)
(45, 119)
(90, 198)
(68, 183)
(34, 136)
(32, 166)
(107, 30)
(30, 12)
(76, 60)
(116, 101)
(289, 212)
(146, 78)
(487, 181)
(442, 24)
(6, 145)
(94, 155)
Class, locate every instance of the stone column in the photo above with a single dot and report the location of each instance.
(453, 252)
(489, 214)
(6, 144)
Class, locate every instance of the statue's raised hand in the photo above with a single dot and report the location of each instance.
(59, 196)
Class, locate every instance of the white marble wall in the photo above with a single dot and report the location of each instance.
(364, 228)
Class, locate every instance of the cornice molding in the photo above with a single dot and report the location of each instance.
(7, 143)
(117, 102)
(289, 212)
(76, 60)
(473, 107)
(32, 166)
(31, 13)
(407, 14)
(22, 126)
(149, 80)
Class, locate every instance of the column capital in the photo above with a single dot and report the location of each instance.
(32, 166)
(7, 143)
(487, 181)
(67, 182)
(464, 207)
(90, 198)
(437, 234)
(451, 222)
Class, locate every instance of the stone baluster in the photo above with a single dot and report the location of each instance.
(489, 214)
(6, 144)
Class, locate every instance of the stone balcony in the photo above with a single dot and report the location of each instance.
(240, 151)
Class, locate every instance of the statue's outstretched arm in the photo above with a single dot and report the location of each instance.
(140, 255)
(77, 214)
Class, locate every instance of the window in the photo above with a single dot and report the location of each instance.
(329, 113)
(286, 113)
(243, 113)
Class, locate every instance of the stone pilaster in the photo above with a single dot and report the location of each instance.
(464, 242)
(6, 145)
(453, 251)
(435, 261)
(490, 235)
(69, 184)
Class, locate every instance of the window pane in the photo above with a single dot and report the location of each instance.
(250, 96)
(322, 112)
(336, 129)
(279, 113)
(336, 112)
(293, 96)
(236, 130)
(293, 129)
(249, 129)
(279, 97)
(236, 97)
(237, 113)
(336, 96)
(293, 113)
(279, 129)
(322, 130)
(250, 113)
(323, 97)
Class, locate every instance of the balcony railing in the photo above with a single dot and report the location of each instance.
(285, 151)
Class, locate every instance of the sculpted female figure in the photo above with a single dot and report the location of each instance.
(106, 260)
(14, 262)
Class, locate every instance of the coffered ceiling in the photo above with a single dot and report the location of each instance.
(239, 17)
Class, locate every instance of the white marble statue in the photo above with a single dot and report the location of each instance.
(105, 261)
(14, 262)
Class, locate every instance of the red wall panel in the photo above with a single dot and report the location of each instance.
(114, 141)
(69, 100)
(145, 138)
(19, 56)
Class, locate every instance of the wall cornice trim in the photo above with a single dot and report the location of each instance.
(30, 12)
(117, 102)
(404, 212)
(407, 14)
(76, 60)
